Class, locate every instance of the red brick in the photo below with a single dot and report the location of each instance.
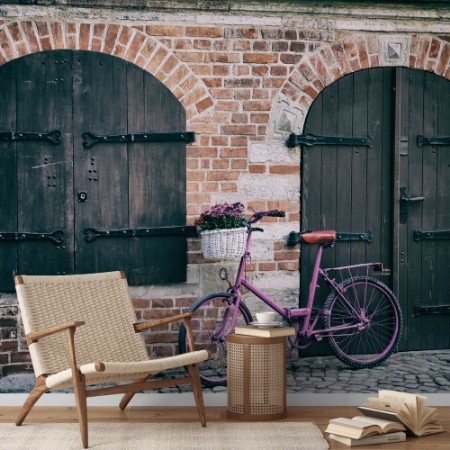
(221, 70)
(110, 38)
(218, 57)
(210, 32)
(141, 303)
(85, 30)
(202, 44)
(267, 266)
(257, 105)
(6, 346)
(257, 168)
(20, 357)
(239, 118)
(222, 176)
(229, 187)
(239, 164)
(261, 46)
(260, 58)
(183, 44)
(249, 33)
(30, 36)
(234, 152)
(164, 30)
(259, 118)
(284, 169)
(291, 266)
(239, 129)
(204, 104)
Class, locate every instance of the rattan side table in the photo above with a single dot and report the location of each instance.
(256, 377)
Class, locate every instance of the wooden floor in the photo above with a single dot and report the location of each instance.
(318, 415)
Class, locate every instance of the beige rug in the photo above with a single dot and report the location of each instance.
(165, 436)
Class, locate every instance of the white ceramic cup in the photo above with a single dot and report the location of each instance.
(265, 317)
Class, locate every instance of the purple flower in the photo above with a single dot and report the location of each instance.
(222, 216)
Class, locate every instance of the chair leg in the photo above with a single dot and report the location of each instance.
(80, 397)
(198, 392)
(128, 396)
(39, 389)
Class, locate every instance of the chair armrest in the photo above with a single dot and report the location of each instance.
(34, 336)
(142, 326)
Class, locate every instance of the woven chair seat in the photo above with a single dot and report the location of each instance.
(120, 371)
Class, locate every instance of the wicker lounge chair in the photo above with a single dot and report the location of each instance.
(106, 348)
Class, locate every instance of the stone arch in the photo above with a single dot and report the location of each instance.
(357, 52)
(130, 43)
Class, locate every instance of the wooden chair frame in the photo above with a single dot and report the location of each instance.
(129, 390)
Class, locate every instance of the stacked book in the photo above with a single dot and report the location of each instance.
(387, 418)
(265, 326)
(264, 331)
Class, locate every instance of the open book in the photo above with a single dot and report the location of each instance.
(398, 436)
(409, 409)
(362, 426)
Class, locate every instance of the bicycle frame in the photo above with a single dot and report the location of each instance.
(308, 329)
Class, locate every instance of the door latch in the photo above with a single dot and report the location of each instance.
(404, 200)
(82, 196)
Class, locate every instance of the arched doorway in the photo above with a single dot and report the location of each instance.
(126, 188)
(398, 189)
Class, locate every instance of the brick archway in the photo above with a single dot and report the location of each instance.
(132, 44)
(331, 62)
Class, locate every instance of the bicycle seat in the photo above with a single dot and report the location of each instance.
(319, 237)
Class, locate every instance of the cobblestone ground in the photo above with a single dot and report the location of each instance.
(426, 372)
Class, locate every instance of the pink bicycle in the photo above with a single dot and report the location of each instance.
(361, 318)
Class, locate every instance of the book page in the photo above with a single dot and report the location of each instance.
(351, 423)
(383, 424)
(410, 407)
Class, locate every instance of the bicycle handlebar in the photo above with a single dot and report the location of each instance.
(258, 215)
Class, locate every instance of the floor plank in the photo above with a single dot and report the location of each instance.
(318, 415)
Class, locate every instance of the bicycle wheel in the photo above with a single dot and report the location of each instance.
(210, 327)
(372, 308)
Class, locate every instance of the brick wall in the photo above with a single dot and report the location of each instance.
(246, 77)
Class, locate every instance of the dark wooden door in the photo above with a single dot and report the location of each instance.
(423, 263)
(109, 186)
(356, 189)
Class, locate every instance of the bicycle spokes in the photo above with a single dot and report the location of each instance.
(363, 322)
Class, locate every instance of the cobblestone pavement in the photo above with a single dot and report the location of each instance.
(426, 372)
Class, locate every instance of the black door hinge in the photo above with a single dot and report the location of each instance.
(91, 233)
(310, 139)
(91, 139)
(431, 235)
(426, 310)
(54, 137)
(435, 140)
(56, 236)
(367, 236)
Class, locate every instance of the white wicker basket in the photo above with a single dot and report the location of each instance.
(228, 244)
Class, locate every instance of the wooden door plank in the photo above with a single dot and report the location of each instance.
(44, 171)
(359, 204)
(379, 164)
(8, 178)
(345, 119)
(442, 264)
(100, 105)
(311, 205)
(157, 182)
(427, 213)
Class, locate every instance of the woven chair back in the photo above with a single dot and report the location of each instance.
(101, 300)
